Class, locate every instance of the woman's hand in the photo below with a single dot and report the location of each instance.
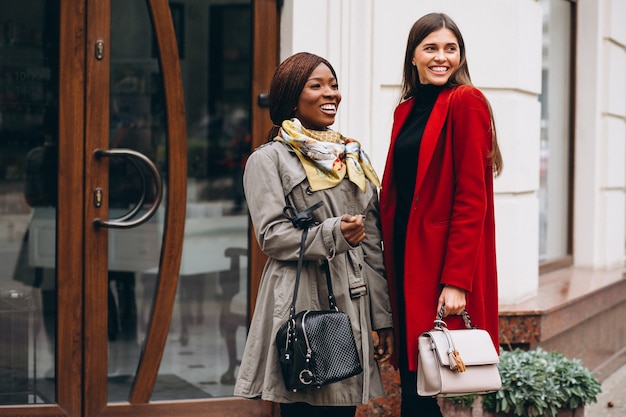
(352, 229)
(383, 344)
(453, 298)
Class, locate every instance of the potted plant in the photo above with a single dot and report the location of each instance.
(538, 383)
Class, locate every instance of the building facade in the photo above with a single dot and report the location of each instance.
(555, 74)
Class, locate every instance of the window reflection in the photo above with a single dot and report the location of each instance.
(208, 328)
(554, 189)
(28, 196)
(209, 325)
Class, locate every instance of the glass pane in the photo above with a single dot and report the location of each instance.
(28, 192)
(555, 161)
(208, 327)
(137, 122)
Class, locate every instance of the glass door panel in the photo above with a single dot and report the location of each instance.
(210, 321)
(137, 122)
(208, 326)
(29, 51)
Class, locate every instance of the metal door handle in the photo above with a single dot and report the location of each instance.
(136, 158)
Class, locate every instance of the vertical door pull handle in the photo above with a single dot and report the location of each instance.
(136, 158)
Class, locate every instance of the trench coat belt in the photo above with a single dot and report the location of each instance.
(358, 291)
(365, 347)
(358, 288)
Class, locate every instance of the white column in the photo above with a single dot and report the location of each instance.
(339, 31)
(600, 132)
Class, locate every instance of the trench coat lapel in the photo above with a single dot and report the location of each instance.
(431, 135)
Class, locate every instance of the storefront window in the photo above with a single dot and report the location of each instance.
(556, 132)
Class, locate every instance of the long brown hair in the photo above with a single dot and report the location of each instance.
(423, 27)
(287, 85)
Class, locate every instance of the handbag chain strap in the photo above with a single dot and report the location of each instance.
(465, 315)
(304, 220)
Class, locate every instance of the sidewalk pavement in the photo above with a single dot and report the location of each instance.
(612, 399)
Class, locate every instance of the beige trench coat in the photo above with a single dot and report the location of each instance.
(274, 174)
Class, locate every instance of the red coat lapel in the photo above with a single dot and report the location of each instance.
(432, 134)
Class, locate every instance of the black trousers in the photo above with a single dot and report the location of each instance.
(308, 410)
(412, 405)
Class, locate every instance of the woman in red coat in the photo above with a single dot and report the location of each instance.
(437, 200)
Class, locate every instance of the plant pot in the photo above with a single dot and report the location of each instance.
(564, 412)
(450, 409)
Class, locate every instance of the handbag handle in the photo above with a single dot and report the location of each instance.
(454, 357)
(465, 315)
(303, 220)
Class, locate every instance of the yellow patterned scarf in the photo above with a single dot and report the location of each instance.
(327, 156)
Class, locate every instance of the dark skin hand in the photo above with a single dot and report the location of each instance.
(353, 228)
(383, 344)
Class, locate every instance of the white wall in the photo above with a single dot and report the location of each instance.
(340, 31)
(600, 135)
(365, 41)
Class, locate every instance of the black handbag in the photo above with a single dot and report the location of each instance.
(315, 347)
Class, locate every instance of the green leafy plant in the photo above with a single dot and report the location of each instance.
(539, 383)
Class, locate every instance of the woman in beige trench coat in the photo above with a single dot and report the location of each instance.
(303, 163)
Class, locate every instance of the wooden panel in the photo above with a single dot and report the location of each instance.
(33, 411)
(174, 224)
(265, 55)
(70, 241)
(216, 408)
(96, 175)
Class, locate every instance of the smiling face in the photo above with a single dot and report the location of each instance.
(319, 99)
(437, 57)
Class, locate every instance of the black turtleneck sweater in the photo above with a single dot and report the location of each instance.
(405, 156)
(406, 150)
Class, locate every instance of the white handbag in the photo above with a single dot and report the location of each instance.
(456, 362)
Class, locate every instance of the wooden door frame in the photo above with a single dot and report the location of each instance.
(70, 216)
(96, 135)
(266, 56)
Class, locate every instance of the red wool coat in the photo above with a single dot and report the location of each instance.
(450, 232)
